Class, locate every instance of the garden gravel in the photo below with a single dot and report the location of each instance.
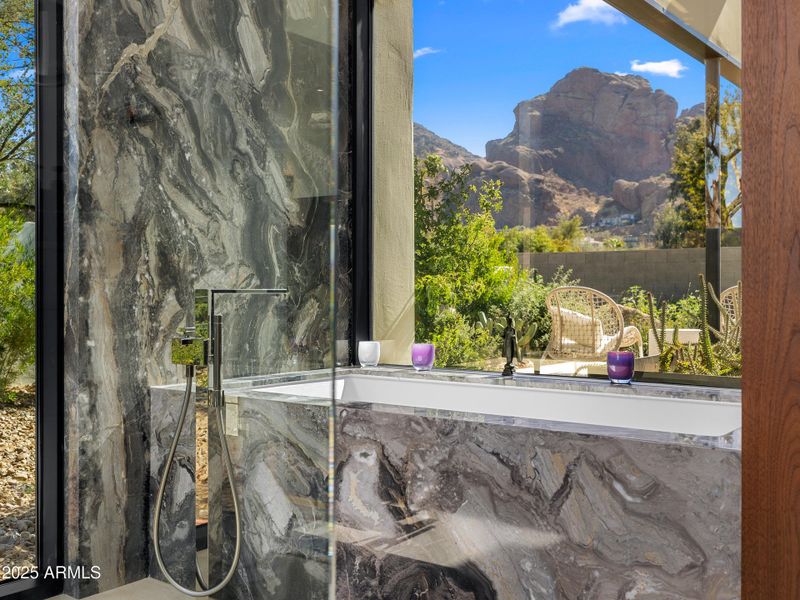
(18, 482)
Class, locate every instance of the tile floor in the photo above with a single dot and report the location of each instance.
(146, 589)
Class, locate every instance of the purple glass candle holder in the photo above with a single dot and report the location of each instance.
(620, 366)
(422, 356)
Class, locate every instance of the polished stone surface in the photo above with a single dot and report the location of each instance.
(177, 525)
(280, 455)
(448, 507)
(454, 509)
(252, 388)
(199, 154)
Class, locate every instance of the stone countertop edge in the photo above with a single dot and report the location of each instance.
(576, 384)
(731, 441)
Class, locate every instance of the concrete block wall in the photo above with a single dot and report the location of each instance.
(669, 274)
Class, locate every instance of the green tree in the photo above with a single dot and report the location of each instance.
(689, 182)
(669, 228)
(17, 112)
(694, 157)
(730, 150)
(463, 265)
(566, 234)
(17, 187)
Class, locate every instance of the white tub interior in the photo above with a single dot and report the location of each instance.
(646, 413)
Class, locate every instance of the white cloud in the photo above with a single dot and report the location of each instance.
(425, 51)
(594, 11)
(667, 68)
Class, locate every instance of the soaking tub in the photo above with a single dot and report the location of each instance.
(606, 410)
(471, 486)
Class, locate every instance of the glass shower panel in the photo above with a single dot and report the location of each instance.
(280, 444)
(279, 448)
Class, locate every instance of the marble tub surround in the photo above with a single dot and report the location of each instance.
(578, 384)
(457, 509)
(260, 388)
(200, 154)
(448, 505)
(281, 457)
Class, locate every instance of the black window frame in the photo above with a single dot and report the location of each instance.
(361, 144)
(49, 306)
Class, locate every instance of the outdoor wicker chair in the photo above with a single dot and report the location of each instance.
(587, 324)
(732, 304)
(731, 301)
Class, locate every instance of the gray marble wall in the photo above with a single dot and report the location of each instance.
(200, 154)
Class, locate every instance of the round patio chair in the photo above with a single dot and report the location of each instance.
(587, 324)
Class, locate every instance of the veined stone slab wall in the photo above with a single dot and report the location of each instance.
(199, 155)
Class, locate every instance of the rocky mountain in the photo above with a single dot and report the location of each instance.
(592, 128)
(426, 142)
(596, 144)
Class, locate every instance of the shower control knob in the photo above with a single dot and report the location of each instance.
(189, 350)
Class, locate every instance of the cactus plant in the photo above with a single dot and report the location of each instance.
(718, 351)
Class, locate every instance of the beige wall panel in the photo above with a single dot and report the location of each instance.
(393, 180)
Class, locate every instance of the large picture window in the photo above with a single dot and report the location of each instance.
(577, 173)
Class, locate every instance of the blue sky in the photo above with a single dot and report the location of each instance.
(476, 59)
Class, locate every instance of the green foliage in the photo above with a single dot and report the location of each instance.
(684, 313)
(562, 237)
(495, 327)
(669, 228)
(614, 243)
(718, 352)
(527, 305)
(729, 154)
(529, 239)
(637, 307)
(463, 265)
(17, 302)
(567, 233)
(457, 341)
(693, 158)
(689, 174)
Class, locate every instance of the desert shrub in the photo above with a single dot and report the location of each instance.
(567, 233)
(614, 243)
(669, 228)
(17, 302)
(683, 313)
(530, 239)
(458, 342)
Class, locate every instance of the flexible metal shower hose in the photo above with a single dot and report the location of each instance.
(226, 454)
